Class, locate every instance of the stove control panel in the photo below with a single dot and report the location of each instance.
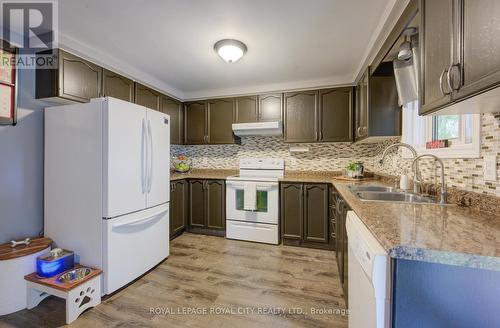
(262, 163)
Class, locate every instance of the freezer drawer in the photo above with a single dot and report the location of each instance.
(133, 244)
(251, 231)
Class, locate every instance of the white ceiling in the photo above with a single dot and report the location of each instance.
(168, 44)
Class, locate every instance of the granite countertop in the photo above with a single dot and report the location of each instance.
(203, 174)
(449, 234)
(433, 233)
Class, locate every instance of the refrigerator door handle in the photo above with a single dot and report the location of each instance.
(144, 155)
(150, 162)
(139, 221)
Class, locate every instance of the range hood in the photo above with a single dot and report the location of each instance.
(274, 128)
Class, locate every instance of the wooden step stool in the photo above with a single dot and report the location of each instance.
(79, 295)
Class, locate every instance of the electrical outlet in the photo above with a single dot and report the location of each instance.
(490, 167)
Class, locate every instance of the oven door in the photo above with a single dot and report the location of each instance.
(267, 202)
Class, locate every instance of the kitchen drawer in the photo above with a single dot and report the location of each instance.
(258, 232)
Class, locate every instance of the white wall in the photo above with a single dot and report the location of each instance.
(21, 166)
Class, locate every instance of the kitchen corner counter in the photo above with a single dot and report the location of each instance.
(448, 234)
(433, 233)
(203, 174)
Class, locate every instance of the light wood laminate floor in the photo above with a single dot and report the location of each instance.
(227, 279)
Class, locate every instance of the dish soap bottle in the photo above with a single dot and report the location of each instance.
(404, 181)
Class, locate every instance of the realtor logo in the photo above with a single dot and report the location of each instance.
(30, 25)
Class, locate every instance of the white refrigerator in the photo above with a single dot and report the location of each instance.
(106, 186)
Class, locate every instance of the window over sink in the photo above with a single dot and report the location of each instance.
(463, 133)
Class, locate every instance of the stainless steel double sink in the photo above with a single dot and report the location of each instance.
(377, 193)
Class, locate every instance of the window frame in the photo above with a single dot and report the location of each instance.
(419, 129)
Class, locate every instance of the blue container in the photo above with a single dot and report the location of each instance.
(55, 262)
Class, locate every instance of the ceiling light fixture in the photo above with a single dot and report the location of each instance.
(230, 50)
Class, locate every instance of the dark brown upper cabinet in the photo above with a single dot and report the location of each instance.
(195, 125)
(147, 97)
(319, 115)
(384, 112)
(378, 113)
(479, 63)
(220, 120)
(210, 122)
(75, 79)
(335, 114)
(361, 111)
(117, 86)
(459, 53)
(301, 116)
(247, 109)
(436, 35)
(175, 109)
(305, 215)
(263, 108)
(196, 118)
(270, 107)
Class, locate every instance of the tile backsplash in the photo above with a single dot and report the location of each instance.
(463, 174)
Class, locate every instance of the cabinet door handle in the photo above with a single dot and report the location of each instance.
(441, 82)
(448, 79)
(320, 135)
(358, 131)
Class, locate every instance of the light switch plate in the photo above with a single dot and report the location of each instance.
(490, 167)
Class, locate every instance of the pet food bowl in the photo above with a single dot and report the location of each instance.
(74, 275)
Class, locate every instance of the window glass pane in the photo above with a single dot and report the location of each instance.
(447, 127)
(261, 200)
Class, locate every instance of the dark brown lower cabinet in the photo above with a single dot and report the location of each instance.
(341, 247)
(216, 204)
(207, 206)
(178, 207)
(292, 211)
(316, 213)
(305, 215)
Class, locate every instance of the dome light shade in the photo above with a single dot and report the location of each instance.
(230, 50)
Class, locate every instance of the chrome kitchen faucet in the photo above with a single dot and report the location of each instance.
(444, 193)
(416, 171)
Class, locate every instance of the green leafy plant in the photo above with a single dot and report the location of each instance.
(351, 167)
(354, 166)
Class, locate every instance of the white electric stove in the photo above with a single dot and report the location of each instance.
(252, 200)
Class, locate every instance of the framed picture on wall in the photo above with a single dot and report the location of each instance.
(8, 83)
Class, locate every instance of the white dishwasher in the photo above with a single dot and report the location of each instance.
(369, 277)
